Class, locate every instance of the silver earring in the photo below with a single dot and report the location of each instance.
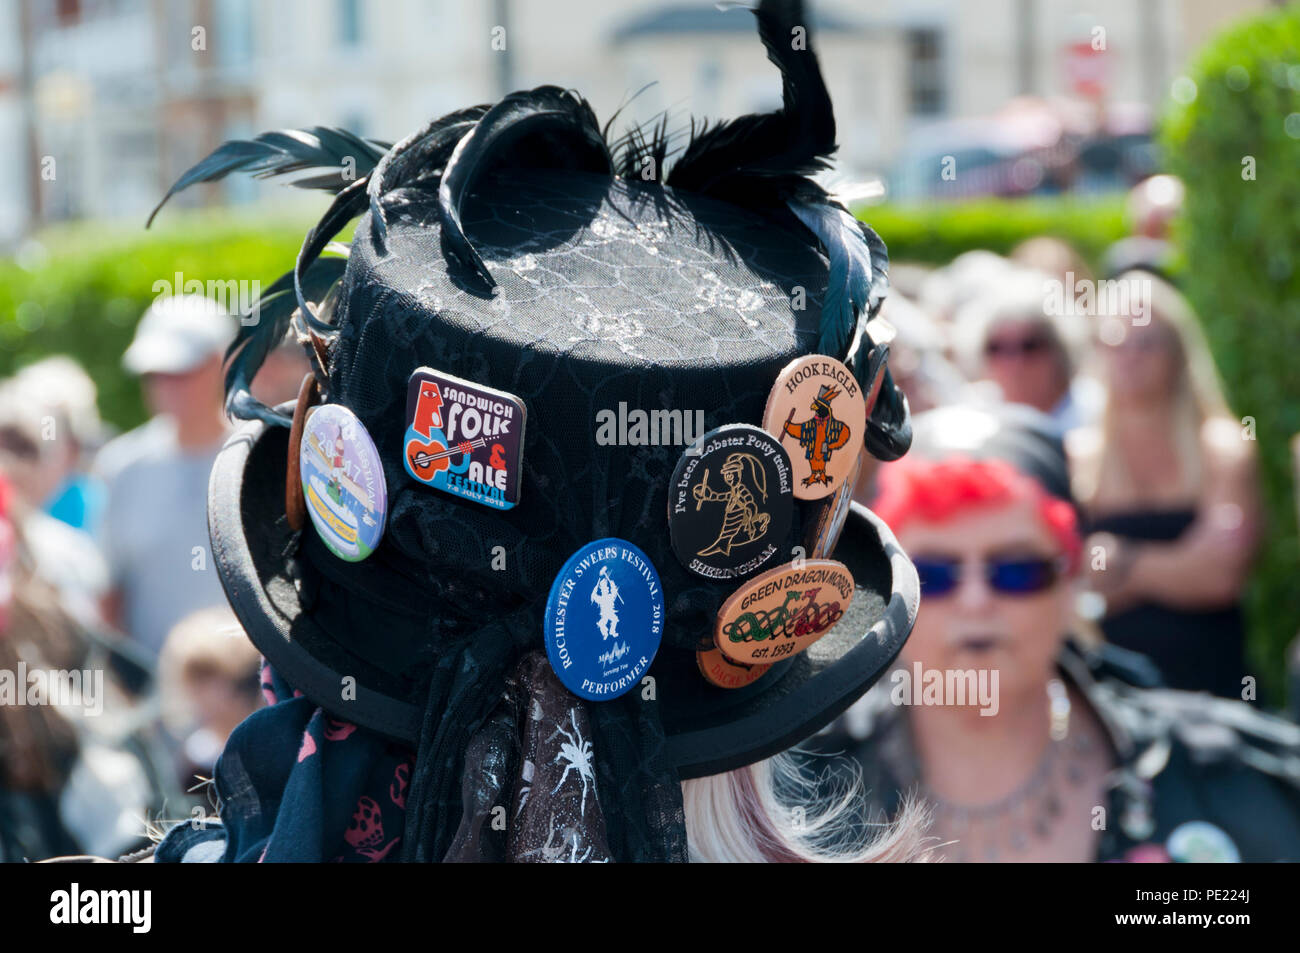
(1058, 708)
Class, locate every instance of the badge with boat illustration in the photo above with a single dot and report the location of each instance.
(342, 482)
(463, 438)
(816, 408)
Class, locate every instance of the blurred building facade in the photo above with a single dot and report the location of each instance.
(104, 102)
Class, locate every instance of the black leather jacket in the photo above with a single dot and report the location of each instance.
(1181, 757)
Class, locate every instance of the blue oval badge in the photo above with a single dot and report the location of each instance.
(604, 619)
(343, 482)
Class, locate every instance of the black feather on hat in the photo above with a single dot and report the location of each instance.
(516, 246)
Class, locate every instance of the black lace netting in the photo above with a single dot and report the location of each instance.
(609, 292)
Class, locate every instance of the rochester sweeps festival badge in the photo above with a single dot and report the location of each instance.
(463, 438)
(604, 619)
(342, 482)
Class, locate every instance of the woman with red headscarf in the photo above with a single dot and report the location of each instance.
(1024, 744)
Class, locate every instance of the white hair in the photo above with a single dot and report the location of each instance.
(769, 812)
(945, 291)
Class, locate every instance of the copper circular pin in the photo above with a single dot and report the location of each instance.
(720, 671)
(295, 506)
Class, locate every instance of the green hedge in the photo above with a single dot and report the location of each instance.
(1241, 238)
(936, 233)
(93, 283)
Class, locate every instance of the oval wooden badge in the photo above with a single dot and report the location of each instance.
(721, 671)
(816, 409)
(783, 611)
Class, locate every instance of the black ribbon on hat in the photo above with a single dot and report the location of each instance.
(637, 787)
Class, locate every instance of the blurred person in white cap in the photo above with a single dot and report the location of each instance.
(155, 532)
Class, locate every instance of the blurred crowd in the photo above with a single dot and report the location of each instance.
(1162, 469)
(1082, 508)
(105, 550)
(107, 576)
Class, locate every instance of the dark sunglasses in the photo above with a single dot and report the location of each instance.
(1035, 344)
(1012, 576)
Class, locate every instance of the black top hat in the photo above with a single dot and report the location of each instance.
(516, 247)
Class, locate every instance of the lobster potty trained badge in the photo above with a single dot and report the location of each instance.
(817, 406)
(730, 502)
(463, 438)
(777, 615)
(342, 482)
(604, 619)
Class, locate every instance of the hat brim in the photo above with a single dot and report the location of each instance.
(709, 730)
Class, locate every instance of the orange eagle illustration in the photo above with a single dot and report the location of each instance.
(820, 435)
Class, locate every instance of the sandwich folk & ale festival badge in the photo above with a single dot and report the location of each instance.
(463, 438)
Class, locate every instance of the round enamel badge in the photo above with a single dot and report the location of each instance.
(604, 619)
(816, 409)
(342, 482)
(1200, 842)
(730, 502)
(780, 613)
